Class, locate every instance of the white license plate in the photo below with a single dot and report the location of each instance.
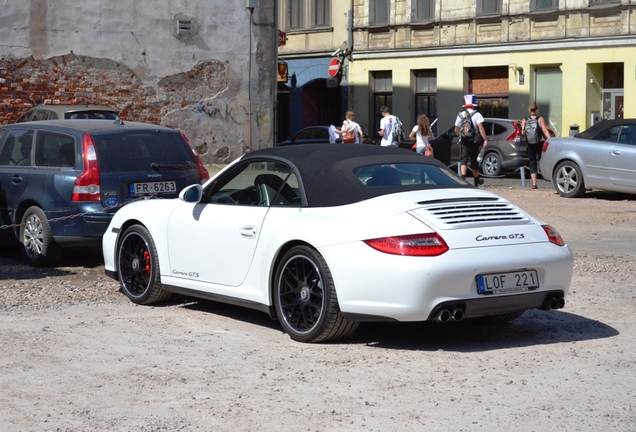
(152, 188)
(501, 283)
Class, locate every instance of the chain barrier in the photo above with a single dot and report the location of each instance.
(73, 216)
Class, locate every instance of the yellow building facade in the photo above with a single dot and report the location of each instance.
(576, 60)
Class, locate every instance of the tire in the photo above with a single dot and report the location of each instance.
(305, 298)
(138, 267)
(491, 165)
(501, 319)
(38, 247)
(568, 180)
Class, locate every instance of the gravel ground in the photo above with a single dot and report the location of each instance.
(75, 355)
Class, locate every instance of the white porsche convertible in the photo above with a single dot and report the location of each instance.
(323, 237)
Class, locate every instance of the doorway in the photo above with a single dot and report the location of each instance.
(612, 104)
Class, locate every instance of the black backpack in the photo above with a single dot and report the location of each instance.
(532, 130)
(467, 129)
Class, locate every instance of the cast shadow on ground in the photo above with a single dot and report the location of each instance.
(532, 328)
(12, 266)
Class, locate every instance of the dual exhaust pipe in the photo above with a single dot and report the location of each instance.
(446, 315)
(554, 302)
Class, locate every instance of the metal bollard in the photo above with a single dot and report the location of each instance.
(523, 176)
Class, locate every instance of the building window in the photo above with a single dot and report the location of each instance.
(488, 7)
(322, 13)
(603, 2)
(379, 13)
(295, 14)
(425, 93)
(541, 5)
(423, 10)
(382, 85)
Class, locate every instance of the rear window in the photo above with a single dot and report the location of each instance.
(92, 115)
(401, 176)
(132, 151)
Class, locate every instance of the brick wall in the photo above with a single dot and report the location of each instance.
(174, 101)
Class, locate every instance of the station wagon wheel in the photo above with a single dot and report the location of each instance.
(568, 180)
(138, 267)
(305, 298)
(491, 165)
(36, 239)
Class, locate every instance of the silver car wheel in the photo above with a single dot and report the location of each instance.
(36, 239)
(491, 166)
(568, 180)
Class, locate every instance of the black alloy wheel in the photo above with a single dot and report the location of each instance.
(138, 267)
(305, 298)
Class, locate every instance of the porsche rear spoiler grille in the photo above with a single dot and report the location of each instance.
(473, 211)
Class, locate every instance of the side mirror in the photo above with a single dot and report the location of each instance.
(192, 194)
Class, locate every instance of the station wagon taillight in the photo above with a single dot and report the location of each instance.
(203, 172)
(86, 186)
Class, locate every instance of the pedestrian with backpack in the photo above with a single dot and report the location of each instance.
(535, 130)
(472, 135)
(391, 129)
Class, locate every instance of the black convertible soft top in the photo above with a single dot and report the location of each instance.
(326, 171)
(596, 129)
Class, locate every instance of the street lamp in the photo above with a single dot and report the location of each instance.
(282, 71)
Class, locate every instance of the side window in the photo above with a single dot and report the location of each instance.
(40, 115)
(257, 183)
(54, 150)
(628, 135)
(16, 150)
(303, 134)
(320, 134)
(499, 129)
(488, 128)
(610, 135)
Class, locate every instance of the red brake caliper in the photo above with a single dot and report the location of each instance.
(147, 259)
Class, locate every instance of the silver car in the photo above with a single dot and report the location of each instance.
(602, 157)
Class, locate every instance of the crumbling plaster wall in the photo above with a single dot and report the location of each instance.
(214, 82)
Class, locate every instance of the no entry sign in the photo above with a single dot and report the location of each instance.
(334, 67)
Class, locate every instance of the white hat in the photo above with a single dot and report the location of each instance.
(470, 100)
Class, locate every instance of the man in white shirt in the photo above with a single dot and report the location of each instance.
(386, 128)
(469, 148)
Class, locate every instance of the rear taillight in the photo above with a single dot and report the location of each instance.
(516, 135)
(203, 172)
(553, 235)
(410, 245)
(86, 186)
(544, 149)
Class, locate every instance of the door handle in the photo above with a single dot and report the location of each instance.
(616, 152)
(248, 231)
(16, 179)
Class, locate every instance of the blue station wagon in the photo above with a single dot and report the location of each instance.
(61, 181)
